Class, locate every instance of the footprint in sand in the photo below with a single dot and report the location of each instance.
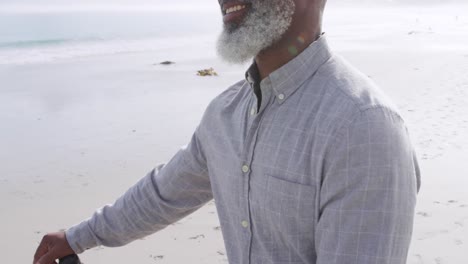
(433, 234)
(438, 260)
(458, 242)
(158, 257)
(419, 257)
(198, 236)
(424, 214)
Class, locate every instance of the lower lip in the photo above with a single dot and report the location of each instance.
(235, 17)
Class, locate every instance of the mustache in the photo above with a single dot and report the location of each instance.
(222, 2)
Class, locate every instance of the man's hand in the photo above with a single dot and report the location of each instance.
(53, 246)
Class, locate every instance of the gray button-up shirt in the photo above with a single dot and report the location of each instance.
(322, 171)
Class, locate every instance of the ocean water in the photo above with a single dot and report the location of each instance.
(30, 37)
(49, 35)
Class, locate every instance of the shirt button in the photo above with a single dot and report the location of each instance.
(245, 224)
(253, 111)
(281, 96)
(245, 168)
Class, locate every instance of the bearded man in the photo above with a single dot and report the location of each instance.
(307, 160)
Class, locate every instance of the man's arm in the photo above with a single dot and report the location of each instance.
(167, 194)
(368, 192)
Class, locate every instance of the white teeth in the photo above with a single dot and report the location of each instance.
(234, 9)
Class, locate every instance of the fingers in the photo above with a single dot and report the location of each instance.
(42, 249)
(47, 259)
(53, 246)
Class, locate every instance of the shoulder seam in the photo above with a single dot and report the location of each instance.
(356, 115)
(383, 107)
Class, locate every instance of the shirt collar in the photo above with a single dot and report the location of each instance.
(288, 78)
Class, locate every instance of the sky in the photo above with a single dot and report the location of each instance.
(44, 4)
(107, 2)
(59, 5)
(182, 2)
(39, 2)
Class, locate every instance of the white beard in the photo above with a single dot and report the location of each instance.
(265, 24)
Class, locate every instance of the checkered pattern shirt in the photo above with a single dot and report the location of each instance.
(321, 172)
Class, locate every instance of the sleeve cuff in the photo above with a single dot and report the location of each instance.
(80, 237)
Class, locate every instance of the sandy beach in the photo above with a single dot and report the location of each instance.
(77, 132)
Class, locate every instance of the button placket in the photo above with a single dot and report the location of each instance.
(254, 124)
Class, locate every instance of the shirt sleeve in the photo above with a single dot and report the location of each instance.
(165, 195)
(368, 192)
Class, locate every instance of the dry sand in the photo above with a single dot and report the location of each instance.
(77, 133)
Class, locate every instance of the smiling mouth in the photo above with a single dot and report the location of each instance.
(234, 9)
(234, 12)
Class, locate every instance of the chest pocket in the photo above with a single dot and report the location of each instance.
(290, 210)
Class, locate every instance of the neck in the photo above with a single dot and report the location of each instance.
(306, 27)
(283, 51)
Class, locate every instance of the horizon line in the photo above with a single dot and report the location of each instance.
(22, 8)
